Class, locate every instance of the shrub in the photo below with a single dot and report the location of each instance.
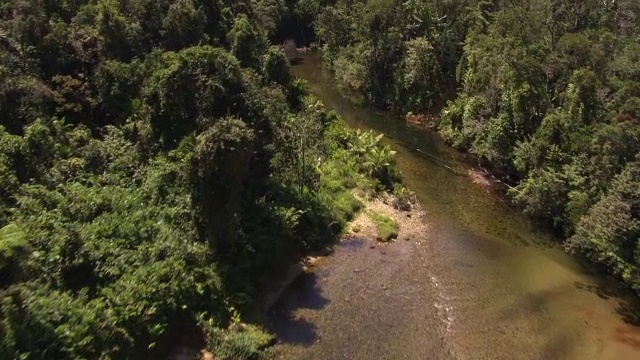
(404, 198)
(238, 342)
(345, 206)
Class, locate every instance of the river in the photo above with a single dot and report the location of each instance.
(482, 283)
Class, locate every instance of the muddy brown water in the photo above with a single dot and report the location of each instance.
(482, 283)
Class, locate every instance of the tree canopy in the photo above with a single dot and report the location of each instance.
(156, 160)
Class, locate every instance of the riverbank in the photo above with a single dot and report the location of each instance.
(347, 305)
(483, 283)
(408, 218)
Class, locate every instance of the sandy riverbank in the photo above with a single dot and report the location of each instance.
(366, 292)
(410, 221)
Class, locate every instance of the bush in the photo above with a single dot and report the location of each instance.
(404, 198)
(345, 206)
(238, 342)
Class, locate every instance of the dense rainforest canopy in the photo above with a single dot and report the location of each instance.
(545, 92)
(156, 158)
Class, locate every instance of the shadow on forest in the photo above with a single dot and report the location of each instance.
(286, 322)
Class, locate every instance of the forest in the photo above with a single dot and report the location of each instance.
(156, 159)
(544, 93)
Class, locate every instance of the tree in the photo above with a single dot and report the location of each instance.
(215, 86)
(139, 195)
(300, 137)
(223, 157)
(610, 233)
(183, 25)
(246, 42)
(419, 82)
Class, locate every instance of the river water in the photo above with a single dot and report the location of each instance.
(482, 283)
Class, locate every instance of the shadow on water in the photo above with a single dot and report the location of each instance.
(557, 347)
(287, 324)
(532, 303)
(628, 305)
(305, 293)
(629, 312)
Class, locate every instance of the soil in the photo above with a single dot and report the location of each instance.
(411, 223)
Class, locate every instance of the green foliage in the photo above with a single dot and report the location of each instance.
(396, 54)
(288, 20)
(344, 205)
(10, 161)
(184, 25)
(609, 234)
(420, 77)
(301, 151)
(214, 79)
(43, 323)
(246, 41)
(239, 342)
(378, 161)
(275, 67)
(14, 247)
(223, 159)
(543, 92)
(156, 159)
(350, 69)
(386, 227)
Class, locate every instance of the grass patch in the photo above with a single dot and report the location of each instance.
(387, 227)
